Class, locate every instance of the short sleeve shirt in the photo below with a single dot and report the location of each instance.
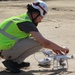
(27, 27)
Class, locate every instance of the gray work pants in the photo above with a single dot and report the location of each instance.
(21, 50)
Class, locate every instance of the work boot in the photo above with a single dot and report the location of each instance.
(23, 64)
(10, 65)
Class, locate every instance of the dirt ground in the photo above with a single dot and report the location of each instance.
(58, 26)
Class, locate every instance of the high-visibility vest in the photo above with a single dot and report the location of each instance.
(10, 33)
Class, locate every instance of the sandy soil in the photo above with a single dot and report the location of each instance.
(58, 26)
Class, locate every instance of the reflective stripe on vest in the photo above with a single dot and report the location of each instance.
(7, 34)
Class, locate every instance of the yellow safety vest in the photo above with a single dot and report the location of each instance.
(10, 33)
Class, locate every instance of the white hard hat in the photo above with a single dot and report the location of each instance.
(41, 6)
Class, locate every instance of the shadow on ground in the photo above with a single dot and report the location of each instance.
(40, 72)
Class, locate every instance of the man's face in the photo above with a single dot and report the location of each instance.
(38, 19)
